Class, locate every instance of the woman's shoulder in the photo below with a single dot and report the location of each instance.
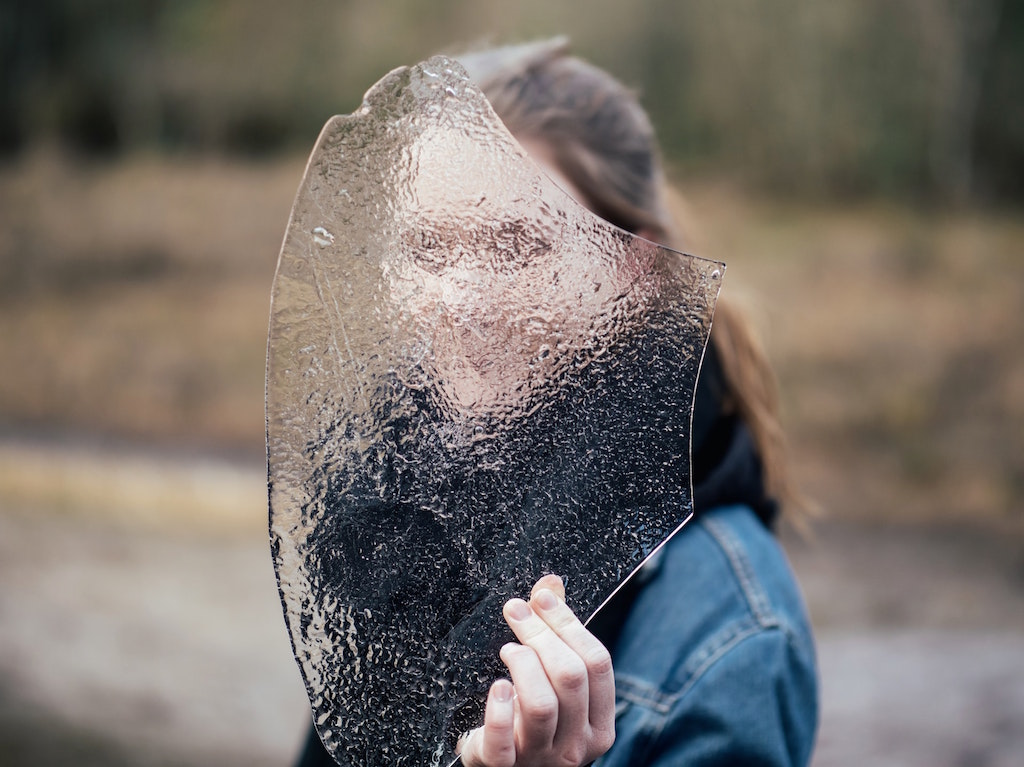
(729, 555)
(719, 635)
(721, 579)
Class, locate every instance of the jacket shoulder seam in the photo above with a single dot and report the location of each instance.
(753, 593)
(642, 693)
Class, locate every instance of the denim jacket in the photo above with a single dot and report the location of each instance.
(715, 664)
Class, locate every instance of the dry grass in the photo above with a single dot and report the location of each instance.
(134, 297)
(150, 492)
(897, 337)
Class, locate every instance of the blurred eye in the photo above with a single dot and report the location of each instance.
(515, 243)
(502, 244)
(427, 249)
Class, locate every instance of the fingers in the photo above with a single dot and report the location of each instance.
(596, 659)
(493, 744)
(564, 623)
(567, 678)
(563, 709)
(551, 582)
(538, 709)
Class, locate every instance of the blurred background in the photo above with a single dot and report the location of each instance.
(859, 164)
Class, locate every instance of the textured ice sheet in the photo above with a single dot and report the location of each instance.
(471, 381)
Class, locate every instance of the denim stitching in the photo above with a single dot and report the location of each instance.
(738, 634)
(648, 730)
(752, 591)
(639, 692)
(697, 661)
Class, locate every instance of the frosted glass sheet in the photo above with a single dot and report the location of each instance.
(471, 381)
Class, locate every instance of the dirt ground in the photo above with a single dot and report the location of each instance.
(138, 639)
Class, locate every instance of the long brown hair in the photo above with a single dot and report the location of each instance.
(602, 140)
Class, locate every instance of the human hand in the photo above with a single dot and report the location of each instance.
(559, 708)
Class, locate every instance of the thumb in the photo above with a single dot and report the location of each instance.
(492, 745)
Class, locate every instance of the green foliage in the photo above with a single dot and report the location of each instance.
(898, 97)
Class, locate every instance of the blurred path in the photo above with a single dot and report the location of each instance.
(156, 639)
(925, 697)
(920, 637)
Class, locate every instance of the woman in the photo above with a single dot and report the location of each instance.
(706, 657)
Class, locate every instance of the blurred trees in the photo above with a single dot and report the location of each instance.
(919, 98)
(79, 71)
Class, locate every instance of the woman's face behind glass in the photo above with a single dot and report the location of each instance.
(500, 284)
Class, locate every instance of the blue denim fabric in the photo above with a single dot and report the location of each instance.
(715, 664)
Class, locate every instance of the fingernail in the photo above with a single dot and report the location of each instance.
(510, 647)
(518, 610)
(546, 599)
(503, 693)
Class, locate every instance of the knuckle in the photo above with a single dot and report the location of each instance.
(497, 756)
(604, 738)
(598, 660)
(571, 677)
(541, 708)
(575, 754)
